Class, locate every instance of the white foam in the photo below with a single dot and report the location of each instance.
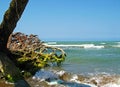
(106, 85)
(43, 74)
(98, 78)
(116, 46)
(102, 43)
(52, 83)
(111, 85)
(51, 42)
(74, 78)
(93, 46)
(60, 73)
(86, 46)
(62, 45)
(91, 85)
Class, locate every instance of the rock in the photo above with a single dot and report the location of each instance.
(21, 83)
(66, 76)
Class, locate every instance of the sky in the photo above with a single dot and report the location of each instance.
(69, 20)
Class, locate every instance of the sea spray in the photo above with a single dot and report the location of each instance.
(74, 80)
(45, 75)
(66, 79)
(89, 66)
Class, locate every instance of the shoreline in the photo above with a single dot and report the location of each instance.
(60, 78)
(77, 80)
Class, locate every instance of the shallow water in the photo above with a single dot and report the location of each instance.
(88, 64)
(91, 57)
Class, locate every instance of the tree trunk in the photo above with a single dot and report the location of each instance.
(11, 17)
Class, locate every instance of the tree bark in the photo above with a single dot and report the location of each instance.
(11, 17)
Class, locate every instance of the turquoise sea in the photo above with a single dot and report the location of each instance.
(85, 57)
(88, 64)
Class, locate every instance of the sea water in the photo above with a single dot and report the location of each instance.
(91, 56)
(97, 61)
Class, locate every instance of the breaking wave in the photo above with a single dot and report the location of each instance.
(86, 46)
(116, 46)
(100, 45)
(62, 78)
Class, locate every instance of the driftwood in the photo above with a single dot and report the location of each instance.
(32, 54)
